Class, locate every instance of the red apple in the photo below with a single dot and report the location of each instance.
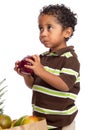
(23, 62)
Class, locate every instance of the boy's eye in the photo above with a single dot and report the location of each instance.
(49, 27)
(41, 28)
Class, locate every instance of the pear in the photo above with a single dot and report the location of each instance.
(18, 121)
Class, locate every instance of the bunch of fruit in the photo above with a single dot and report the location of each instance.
(7, 122)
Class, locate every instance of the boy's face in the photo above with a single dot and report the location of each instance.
(52, 34)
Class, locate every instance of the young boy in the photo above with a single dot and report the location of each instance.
(55, 82)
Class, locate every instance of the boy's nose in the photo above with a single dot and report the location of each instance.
(44, 33)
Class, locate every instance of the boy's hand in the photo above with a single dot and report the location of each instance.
(36, 66)
(17, 69)
(27, 78)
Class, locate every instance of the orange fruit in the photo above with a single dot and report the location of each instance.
(5, 121)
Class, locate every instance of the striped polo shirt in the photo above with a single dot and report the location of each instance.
(58, 107)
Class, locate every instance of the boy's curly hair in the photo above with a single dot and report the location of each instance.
(63, 14)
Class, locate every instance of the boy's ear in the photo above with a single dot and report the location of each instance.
(68, 32)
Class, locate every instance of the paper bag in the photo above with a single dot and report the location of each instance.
(40, 125)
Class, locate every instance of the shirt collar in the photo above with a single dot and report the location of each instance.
(58, 52)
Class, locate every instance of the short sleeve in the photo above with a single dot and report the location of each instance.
(70, 71)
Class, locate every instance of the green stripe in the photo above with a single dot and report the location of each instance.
(50, 127)
(54, 92)
(45, 53)
(77, 80)
(51, 70)
(64, 70)
(54, 112)
(67, 54)
(49, 53)
(69, 71)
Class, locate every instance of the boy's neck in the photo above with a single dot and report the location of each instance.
(57, 48)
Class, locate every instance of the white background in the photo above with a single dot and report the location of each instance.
(19, 37)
